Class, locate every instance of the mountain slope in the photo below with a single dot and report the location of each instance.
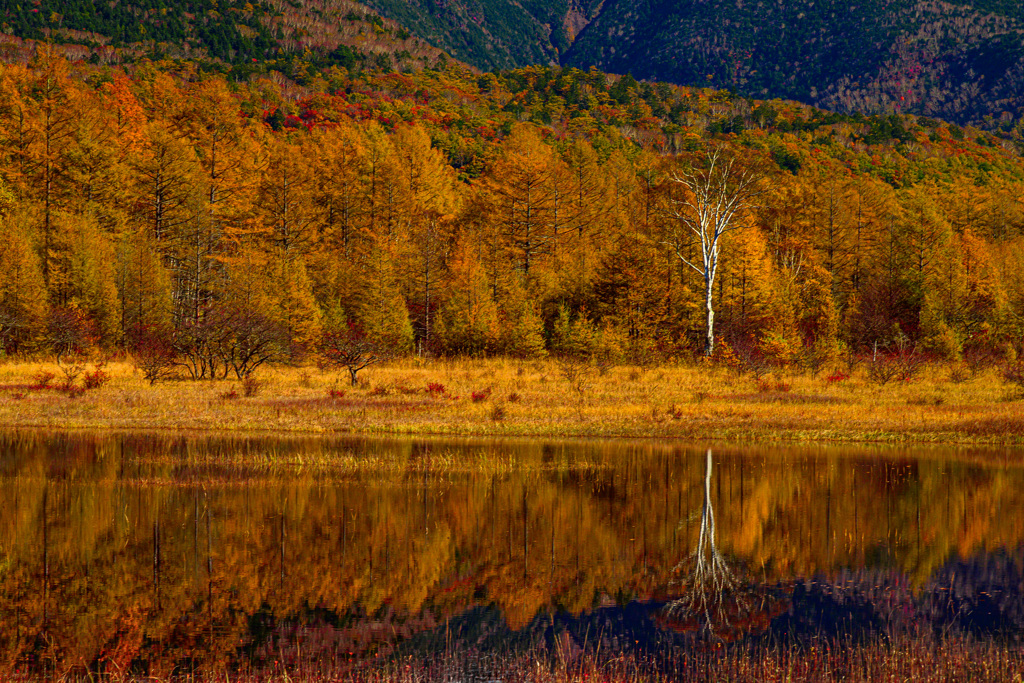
(323, 32)
(957, 62)
(961, 61)
(495, 34)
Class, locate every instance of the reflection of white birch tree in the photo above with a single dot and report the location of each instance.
(710, 577)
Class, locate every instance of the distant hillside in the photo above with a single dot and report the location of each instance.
(961, 61)
(495, 34)
(267, 33)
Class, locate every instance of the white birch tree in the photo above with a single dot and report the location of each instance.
(715, 199)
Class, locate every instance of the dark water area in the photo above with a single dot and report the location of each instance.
(168, 556)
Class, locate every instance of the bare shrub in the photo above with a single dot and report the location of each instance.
(95, 379)
(152, 352)
(882, 370)
(577, 372)
(71, 368)
(42, 379)
(900, 361)
(812, 359)
(69, 334)
(254, 340)
(745, 356)
(350, 347)
(1013, 373)
(251, 385)
(226, 339)
(958, 374)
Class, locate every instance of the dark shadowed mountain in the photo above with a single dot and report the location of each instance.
(961, 61)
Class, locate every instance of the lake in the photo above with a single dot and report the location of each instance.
(253, 558)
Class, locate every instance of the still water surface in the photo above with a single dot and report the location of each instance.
(157, 553)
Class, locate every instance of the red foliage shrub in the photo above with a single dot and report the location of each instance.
(479, 396)
(436, 389)
(837, 377)
(95, 379)
(42, 379)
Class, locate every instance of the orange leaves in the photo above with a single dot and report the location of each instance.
(131, 119)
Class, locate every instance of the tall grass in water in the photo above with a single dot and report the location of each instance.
(926, 658)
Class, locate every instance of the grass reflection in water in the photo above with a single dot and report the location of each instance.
(164, 556)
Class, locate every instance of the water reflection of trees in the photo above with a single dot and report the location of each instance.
(710, 582)
(115, 545)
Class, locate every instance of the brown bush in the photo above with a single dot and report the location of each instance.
(251, 385)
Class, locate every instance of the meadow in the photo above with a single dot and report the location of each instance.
(941, 403)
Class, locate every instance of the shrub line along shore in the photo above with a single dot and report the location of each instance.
(545, 398)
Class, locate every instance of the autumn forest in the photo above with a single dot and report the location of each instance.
(533, 212)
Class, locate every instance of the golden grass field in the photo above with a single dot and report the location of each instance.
(536, 398)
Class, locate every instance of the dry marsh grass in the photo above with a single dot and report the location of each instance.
(913, 659)
(509, 397)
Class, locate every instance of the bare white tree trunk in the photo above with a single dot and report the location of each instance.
(716, 199)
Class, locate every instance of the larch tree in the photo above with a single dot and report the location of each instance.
(467, 322)
(339, 195)
(50, 135)
(285, 197)
(713, 199)
(526, 198)
(22, 294)
(230, 156)
(163, 180)
(433, 200)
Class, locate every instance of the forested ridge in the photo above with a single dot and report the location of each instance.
(522, 213)
(236, 36)
(960, 61)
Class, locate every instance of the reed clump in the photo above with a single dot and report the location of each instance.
(959, 658)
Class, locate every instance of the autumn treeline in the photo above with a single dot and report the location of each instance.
(144, 208)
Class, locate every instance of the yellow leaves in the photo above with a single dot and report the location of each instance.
(22, 291)
(83, 272)
(468, 321)
(430, 180)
